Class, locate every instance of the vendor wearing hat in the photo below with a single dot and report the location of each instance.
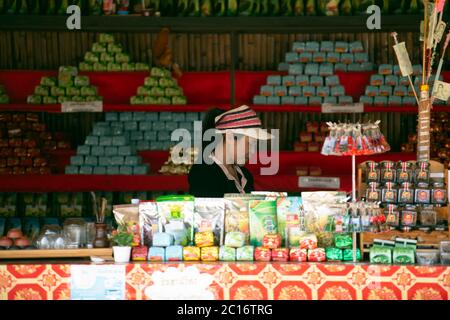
(240, 129)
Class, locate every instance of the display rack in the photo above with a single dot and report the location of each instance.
(55, 253)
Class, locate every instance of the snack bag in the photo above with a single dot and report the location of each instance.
(380, 254)
(210, 254)
(245, 253)
(280, 254)
(333, 254)
(348, 255)
(289, 210)
(209, 217)
(263, 254)
(263, 220)
(236, 213)
(177, 217)
(129, 213)
(298, 255)
(204, 239)
(317, 255)
(227, 253)
(343, 241)
(235, 239)
(191, 253)
(148, 221)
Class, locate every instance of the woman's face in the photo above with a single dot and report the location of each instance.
(241, 149)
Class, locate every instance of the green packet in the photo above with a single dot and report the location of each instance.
(334, 254)
(343, 241)
(263, 220)
(348, 255)
(380, 254)
(404, 255)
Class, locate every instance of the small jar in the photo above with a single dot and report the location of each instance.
(428, 216)
(409, 216)
(404, 172)
(422, 173)
(373, 193)
(422, 194)
(438, 193)
(389, 193)
(406, 194)
(392, 216)
(388, 173)
(373, 172)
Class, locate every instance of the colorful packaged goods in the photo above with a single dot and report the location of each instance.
(174, 253)
(263, 220)
(191, 253)
(404, 255)
(317, 255)
(343, 241)
(245, 253)
(235, 239)
(209, 217)
(129, 214)
(148, 221)
(139, 253)
(271, 241)
(348, 255)
(263, 254)
(210, 254)
(162, 239)
(298, 255)
(204, 239)
(334, 254)
(280, 254)
(227, 253)
(156, 254)
(308, 241)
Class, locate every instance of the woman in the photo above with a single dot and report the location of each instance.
(239, 128)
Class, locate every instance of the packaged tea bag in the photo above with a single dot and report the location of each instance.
(422, 173)
(422, 193)
(439, 193)
(373, 193)
(404, 172)
(177, 217)
(406, 194)
(409, 216)
(209, 217)
(129, 213)
(148, 221)
(392, 216)
(388, 173)
(389, 193)
(289, 211)
(263, 220)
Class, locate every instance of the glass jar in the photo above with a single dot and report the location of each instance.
(409, 216)
(373, 172)
(422, 194)
(406, 194)
(404, 172)
(422, 173)
(428, 216)
(438, 193)
(389, 193)
(75, 233)
(48, 237)
(373, 193)
(392, 216)
(388, 173)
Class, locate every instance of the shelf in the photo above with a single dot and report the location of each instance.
(56, 108)
(136, 23)
(55, 253)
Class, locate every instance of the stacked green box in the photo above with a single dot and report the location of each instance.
(159, 88)
(107, 55)
(3, 96)
(69, 86)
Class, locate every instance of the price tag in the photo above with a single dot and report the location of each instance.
(91, 106)
(319, 182)
(435, 175)
(347, 108)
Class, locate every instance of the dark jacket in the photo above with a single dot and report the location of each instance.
(209, 181)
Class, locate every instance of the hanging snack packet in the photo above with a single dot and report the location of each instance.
(177, 216)
(129, 214)
(263, 220)
(148, 221)
(209, 217)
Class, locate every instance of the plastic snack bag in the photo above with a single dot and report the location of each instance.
(129, 213)
(289, 213)
(148, 221)
(263, 220)
(209, 217)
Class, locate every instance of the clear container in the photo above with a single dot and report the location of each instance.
(427, 258)
(445, 246)
(75, 233)
(445, 258)
(48, 236)
(90, 234)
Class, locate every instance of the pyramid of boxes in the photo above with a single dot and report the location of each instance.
(68, 86)
(388, 87)
(159, 88)
(311, 78)
(3, 96)
(107, 55)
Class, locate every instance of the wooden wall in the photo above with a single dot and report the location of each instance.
(194, 52)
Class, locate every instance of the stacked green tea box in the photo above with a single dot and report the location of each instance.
(3, 96)
(68, 86)
(311, 78)
(159, 88)
(108, 150)
(107, 55)
(388, 87)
